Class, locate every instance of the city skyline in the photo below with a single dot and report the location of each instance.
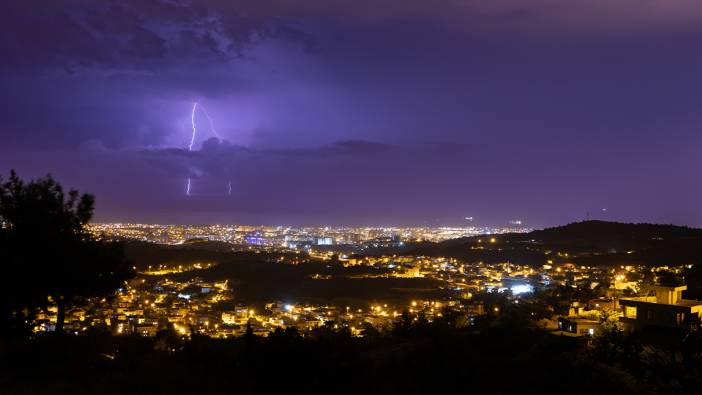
(289, 236)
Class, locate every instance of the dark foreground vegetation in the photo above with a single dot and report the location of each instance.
(47, 255)
(504, 356)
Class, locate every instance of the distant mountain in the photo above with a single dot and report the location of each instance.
(587, 243)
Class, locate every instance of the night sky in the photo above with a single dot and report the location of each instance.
(336, 112)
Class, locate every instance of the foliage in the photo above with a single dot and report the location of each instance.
(500, 357)
(47, 254)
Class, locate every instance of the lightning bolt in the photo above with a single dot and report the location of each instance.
(203, 110)
(192, 122)
(207, 115)
(192, 141)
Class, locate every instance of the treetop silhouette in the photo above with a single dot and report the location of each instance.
(48, 254)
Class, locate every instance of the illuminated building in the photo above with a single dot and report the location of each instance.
(578, 326)
(666, 309)
(324, 241)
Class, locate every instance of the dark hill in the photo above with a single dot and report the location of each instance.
(143, 254)
(588, 243)
(606, 236)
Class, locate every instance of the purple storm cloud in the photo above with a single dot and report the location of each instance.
(356, 112)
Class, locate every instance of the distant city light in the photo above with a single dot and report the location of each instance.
(521, 289)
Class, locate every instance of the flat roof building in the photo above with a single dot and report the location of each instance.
(578, 326)
(666, 309)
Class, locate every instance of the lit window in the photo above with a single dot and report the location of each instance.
(629, 311)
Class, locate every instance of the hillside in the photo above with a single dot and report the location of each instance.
(588, 242)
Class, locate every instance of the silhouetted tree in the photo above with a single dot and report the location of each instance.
(668, 278)
(693, 280)
(403, 325)
(47, 254)
(647, 284)
(370, 332)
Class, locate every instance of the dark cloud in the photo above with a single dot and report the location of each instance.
(544, 19)
(116, 35)
(358, 111)
(218, 158)
(146, 44)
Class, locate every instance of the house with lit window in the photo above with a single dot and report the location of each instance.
(666, 309)
(577, 326)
